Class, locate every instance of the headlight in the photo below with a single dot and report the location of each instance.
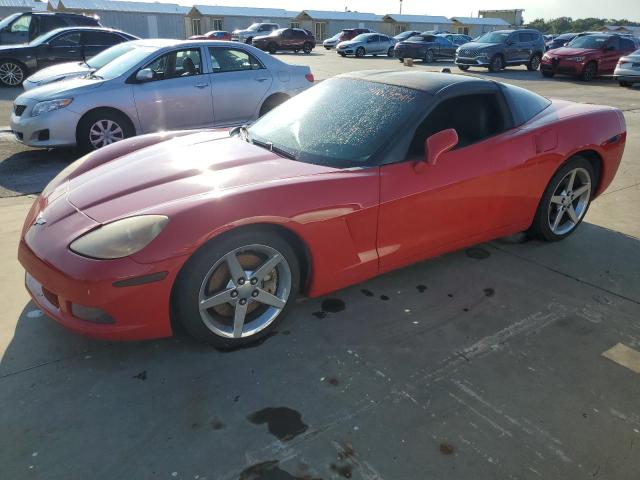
(546, 57)
(120, 238)
(575, 59)
(49, 106)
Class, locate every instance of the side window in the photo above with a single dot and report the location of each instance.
(102, 38)
(232, 60)
(384, 38)
(50, 22)
(372, 38)
(524, 37)
(181, 63)
(474, 117)
(67, 40)
(614, 42)
(21, 24)
(627, 45)
(299, 34)
(288, 33)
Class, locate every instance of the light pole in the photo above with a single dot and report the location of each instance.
(400, 7)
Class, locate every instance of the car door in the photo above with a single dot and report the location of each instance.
(466, 195)
(286, 39)
(373, 46)
(95, 42)
(64, 47)
(446, 49)
(525, 46)
(610, 56)
(384, 43)
(178, 95)
(239, 84)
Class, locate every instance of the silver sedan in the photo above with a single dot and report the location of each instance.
(161, 85)
(367, 44)
(627, 71)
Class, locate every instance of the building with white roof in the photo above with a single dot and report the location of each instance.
(395, 24)
(204, 18)
(325, 24)
(475, 26)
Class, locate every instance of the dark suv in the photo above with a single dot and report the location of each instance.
(24, 27)
(295, 39)
(425, 47)
(501, 48)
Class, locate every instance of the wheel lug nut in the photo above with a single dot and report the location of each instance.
(254, 281)
(243, 301)
(254, 293)
(234, 294)
(241, 281)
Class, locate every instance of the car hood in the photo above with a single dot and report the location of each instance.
(60, 70)
(350, 43)
(480, 46)
(263, 37)
(205, 163)
(569, 51)
(242, 32)
(65, 88)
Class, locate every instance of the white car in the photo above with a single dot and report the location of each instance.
(161, 85)
(330, 43)
(65, 71)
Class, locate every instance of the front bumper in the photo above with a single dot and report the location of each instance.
(52, 129)
(408, 53)
(627, 75)
(471, 61)
(135, 312)
(562, 66)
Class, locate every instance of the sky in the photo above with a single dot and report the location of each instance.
(547, 9)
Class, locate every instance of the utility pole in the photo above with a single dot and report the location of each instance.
(400, 7)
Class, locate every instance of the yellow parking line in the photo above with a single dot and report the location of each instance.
(625, 356)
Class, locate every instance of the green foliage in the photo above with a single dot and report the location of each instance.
(567, 24)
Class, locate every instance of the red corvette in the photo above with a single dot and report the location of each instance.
(359, 175)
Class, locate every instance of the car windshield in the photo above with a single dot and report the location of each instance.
(588, 41)
(7, 20)
(358, 119)
(493, 37)
(109, 54)
(361, 38)
(124, 62)
(254, 27)
(336, 36)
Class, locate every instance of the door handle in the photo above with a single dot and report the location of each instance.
(201, 85)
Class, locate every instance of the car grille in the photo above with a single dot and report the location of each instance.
(19, 109)
(465, 52)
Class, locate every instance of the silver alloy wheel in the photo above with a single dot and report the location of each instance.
(105, 132)
(244, 291)
(535, 63)
(569, 201)
(428, 56)
(11, 74)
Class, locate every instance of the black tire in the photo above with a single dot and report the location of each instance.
(272, 48)
(497, 63)
(401, 60)
(186, 291)
(547, 74)
(12, 73)
(249, 41)
(360, 52)
(540, 226)
(589, 72)
(85, 135)
(295, 50)
(622, 83)
(307, 47)
(272, 102)
(342, 54)
(390, 52)
(464, 68)
(428, 56)
(534, 63)
(327, 48)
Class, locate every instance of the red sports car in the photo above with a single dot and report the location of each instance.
(212, 35)
(361, 174)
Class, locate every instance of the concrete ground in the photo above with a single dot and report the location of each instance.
(481, 364)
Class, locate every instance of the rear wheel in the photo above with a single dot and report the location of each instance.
(236, 289)
(428, 56)
(360, 52)
(589, 73)
(497, 63)
(622, 83)
(548, 74)
(12, 74)
(464, 68)
(272, 48)
(390, 52)
(272, 102)
(307, 47)
(565, 200)
(342, 54)
(534, 63)
(102, 128)
(249, 41)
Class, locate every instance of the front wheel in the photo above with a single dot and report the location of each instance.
(272, 48)
(565, 200)
(12, 74)
(307, 47)
(534, 63)
(589, 73)
(342, 54)
(102, 128)
(428, 56)
(360, 52)
(464, 68)
(497, 64)
(236, 289)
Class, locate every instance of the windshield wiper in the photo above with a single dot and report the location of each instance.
(269, 146)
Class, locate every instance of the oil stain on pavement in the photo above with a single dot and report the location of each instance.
(478, 253)
(330, 305)
(282, 422)
(269, 470)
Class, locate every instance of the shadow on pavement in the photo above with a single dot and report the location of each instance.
(457, 359)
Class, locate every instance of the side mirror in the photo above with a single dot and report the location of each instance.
(436, 145)
(144, 75)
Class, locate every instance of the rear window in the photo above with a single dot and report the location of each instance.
(524, 104)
